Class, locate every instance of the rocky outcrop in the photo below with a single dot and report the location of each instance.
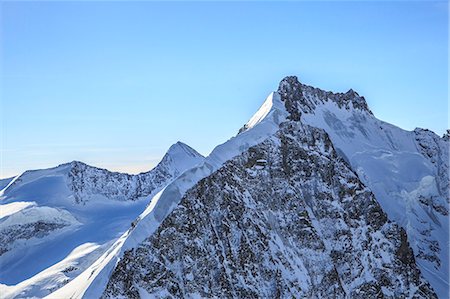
(300, 98)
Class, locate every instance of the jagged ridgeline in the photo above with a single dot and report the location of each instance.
(302, 212)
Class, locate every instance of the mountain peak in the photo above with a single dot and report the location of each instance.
(289, 81)
(351, 92)
(300, 98)
(180, 157)
(182, 148)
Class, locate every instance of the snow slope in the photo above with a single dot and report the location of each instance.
(56, 222)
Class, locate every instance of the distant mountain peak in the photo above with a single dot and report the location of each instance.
(180, 157)
(182, 147)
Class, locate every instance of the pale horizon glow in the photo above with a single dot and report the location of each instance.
(114, 84)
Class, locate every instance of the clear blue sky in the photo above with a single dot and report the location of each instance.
(114, 84)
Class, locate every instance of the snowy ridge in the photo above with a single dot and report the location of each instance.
(269, 110)
(57, 212)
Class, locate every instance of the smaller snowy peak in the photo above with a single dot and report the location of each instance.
(179, 158)
(300, 98)
(180, 148)
(88, 182)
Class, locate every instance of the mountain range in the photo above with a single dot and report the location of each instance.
(313, 198)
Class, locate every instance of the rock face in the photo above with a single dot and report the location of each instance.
(300, 98)
(286, 218)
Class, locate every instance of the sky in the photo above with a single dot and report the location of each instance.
(114, 84)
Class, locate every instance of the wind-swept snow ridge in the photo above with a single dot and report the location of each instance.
(47, 214)
(271, 104)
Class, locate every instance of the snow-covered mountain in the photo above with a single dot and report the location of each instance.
(314, 197)
(54, 223)
(80, 183)
(287, 218)
(409, 183)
